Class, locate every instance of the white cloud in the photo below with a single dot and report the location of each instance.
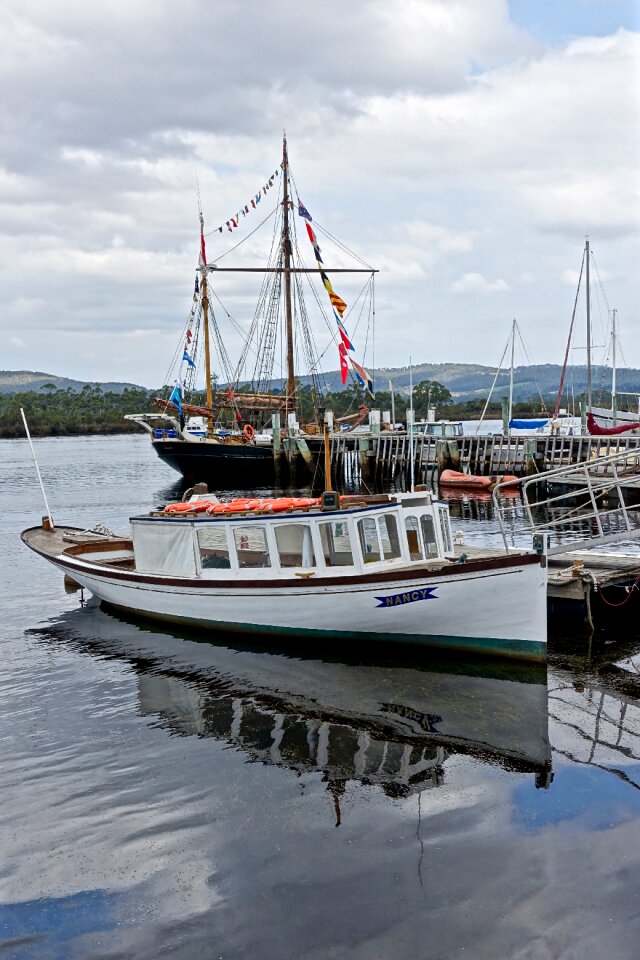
(476, 283)
(16, 342)
(447, 147)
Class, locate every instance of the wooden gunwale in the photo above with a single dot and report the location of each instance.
(449, 569)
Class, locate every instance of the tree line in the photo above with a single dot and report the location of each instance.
(52, 411)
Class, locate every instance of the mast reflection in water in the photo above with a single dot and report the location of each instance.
(392, 724)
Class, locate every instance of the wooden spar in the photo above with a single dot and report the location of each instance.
(286, 251)
(212, 268)
(205, 320)
(242, 401)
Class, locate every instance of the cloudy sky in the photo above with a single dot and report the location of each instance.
(464, 149)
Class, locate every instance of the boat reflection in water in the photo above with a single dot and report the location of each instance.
(392, 724)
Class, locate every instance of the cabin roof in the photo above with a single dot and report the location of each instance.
(243, 516)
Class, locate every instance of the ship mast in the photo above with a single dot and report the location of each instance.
(286, 251)
(614, 402)
(205, 320)
(588, 293)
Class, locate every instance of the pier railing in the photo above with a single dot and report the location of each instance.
(577, 507)
(486, 455)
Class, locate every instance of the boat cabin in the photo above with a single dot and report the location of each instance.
(358, 539)
(437, 428)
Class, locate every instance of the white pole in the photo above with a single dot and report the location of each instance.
(410, 425)
(33, 453)
(614, 403)
(513, 347)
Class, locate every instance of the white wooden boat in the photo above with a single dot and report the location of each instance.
(356, 568)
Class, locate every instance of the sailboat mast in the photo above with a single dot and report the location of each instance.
(286, 251)
(205, 320)
(588, 289)
(513, 348)
(614, 403)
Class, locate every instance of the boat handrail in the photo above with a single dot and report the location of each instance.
(575, 513)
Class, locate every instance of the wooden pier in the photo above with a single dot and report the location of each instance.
(488, 455)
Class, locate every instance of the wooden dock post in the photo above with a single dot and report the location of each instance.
(276, 446)
(454, 454)
(530, 450)
(291, 448)
(505, 416)
(363, 457)
(442, 455)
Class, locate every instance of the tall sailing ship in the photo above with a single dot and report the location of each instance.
(233, 438)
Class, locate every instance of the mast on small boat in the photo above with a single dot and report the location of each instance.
(588, 294)
(410, 426)
(569, 338)
(513, 348)
(614, 404)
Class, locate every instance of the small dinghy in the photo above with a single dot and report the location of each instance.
(356, 568)
(470, 481)
(452, 478)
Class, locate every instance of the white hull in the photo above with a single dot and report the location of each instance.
(501, 609)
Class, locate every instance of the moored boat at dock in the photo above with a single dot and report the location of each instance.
(270, 421)
(354, 568)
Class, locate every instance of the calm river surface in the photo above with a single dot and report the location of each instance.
(166, 797)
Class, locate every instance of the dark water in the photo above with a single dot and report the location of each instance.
(162, 796)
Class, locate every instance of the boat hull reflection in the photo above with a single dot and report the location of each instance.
(391, 723)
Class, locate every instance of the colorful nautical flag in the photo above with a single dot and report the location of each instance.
(314, 242)
(362, 376)
(345, 339)
(175, 400)
(344, 366)
(336, 302)
(185, 356)
(339, 307)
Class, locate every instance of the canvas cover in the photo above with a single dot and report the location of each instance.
(164, 548)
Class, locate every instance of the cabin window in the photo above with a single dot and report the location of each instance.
(295, 547)
(429, 535)
(251, 546)
(413, 538)
(214, 547)
(336, 544)
(389, 540)
(445, 528)
(368, 534)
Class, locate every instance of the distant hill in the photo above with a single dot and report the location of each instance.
(466, 381)
(17, 381)
(471, 381)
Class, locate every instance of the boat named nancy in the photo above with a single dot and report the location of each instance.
(355, 568)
